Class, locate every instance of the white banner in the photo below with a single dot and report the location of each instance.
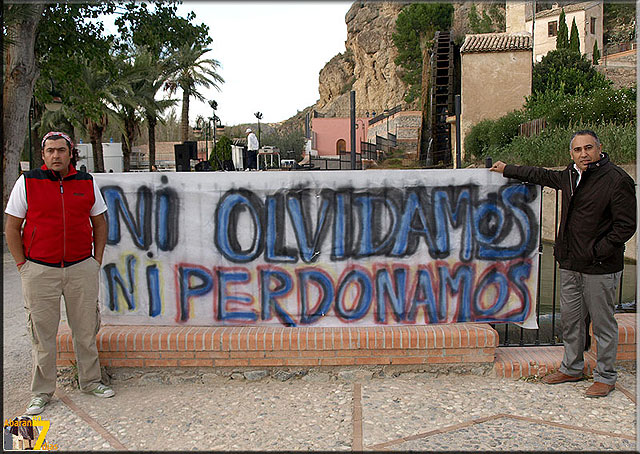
(376, 247)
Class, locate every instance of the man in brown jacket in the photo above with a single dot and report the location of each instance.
(598, 217)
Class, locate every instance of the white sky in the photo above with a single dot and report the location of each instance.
(270, 53)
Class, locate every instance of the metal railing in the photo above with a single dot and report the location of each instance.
(341, 162)
(614, 48)
(369, 151)
(383, 115)
(384, 145)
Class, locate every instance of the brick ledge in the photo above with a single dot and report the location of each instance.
(165, 346)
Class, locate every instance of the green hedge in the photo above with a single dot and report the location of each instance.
(602, 107)
(551, 147)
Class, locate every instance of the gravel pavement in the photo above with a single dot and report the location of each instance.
(332, 409)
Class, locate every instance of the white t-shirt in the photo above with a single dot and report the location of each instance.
(579, 174)
(17, 204)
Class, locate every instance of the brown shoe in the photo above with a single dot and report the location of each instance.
(599, 389)
(559, 377)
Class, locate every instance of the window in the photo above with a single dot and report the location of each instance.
(593, 25)
(553, 28)
(341, 146)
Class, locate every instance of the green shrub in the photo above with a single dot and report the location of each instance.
(478, 139)
(491, 134)
(505, 128)
(599, 106)
(603, 105)
(222, 150)
(568, 71)
(542, 103)
(551, 147)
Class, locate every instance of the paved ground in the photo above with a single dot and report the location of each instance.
(320, 410)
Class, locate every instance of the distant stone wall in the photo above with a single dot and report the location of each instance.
(405, 125)
(622, 77)
(620, 68)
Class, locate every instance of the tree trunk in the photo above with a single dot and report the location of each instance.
(425, 103)
(127, 142)
(126, 153)
(20, 74)
(151, 124)
(95, 134)
(36, 136)
(184, 121)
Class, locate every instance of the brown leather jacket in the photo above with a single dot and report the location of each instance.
(598, 216)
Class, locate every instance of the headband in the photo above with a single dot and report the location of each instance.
(57, 133)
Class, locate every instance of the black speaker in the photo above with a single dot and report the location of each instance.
(193, 149)
(181, 152)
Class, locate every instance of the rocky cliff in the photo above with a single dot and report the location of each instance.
(367, 64)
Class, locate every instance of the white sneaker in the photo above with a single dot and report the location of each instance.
(102, 391)
(36, 406)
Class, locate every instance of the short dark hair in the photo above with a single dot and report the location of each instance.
(584, 132)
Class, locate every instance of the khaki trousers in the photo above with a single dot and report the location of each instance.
(592, 294)
(42, 287)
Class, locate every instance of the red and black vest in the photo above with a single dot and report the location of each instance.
(58, 230)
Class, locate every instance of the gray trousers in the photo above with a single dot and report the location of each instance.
(592, 294)
(42, 287)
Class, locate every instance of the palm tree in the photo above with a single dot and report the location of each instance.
(133, 72)
(193, 71)
(158, 73)
(89, 105)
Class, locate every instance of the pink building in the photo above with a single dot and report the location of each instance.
(331, 136)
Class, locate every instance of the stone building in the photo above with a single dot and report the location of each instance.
(496, 76)
(588, 16)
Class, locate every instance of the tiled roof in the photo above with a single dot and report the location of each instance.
(496, 42)
(567, 9)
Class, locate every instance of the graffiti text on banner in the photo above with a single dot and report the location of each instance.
(320, 248)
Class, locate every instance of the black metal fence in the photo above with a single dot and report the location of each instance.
(369, 151)
(341, 162)
(384, 145)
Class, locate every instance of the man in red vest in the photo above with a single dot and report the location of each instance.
(58, 252)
